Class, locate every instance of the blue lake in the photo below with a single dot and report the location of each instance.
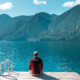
(57, 56)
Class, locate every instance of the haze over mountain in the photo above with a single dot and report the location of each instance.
(66, 26)
(38, 24)
(42, 26)
(4, 18)
(11, 26)
(54, 16)
(26, 27)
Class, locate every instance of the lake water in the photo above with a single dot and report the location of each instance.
(57, 56)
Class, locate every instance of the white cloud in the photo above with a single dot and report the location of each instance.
(5, 6)
(37, 2)
(71, 3)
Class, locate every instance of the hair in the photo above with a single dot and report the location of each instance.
(35, 53)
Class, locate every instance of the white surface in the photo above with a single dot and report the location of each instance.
(44, 76)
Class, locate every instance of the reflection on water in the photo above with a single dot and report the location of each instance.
(57, 56)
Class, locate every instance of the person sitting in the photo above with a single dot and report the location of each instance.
(35, 65)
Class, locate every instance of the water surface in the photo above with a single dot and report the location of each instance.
(57, 56)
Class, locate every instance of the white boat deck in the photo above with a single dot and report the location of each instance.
(44, 76)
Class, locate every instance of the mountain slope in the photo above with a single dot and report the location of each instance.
(30, 29)
(38, 24)
(54, 16)
(17, 22)
(13, 26)
(4, 18)
(66, 26)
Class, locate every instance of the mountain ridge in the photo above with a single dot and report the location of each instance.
(24, 27)
(44, 26)
(66, 26)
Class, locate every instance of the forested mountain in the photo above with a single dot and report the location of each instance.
(38, 24)
(42, 26)
(54, 16)
(9, 25)
(4, 18)
(25, 27)
(66, 26)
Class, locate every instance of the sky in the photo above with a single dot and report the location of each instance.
(31, 7)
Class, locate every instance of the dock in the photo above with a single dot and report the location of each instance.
(10, 74)
(44, 76)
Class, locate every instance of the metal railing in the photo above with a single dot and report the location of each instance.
(7, 67)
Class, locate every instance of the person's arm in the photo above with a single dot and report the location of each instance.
(30, 65)
(41, 64)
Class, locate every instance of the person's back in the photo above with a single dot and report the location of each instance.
(35, 65)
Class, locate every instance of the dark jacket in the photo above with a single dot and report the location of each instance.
(35, 66)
